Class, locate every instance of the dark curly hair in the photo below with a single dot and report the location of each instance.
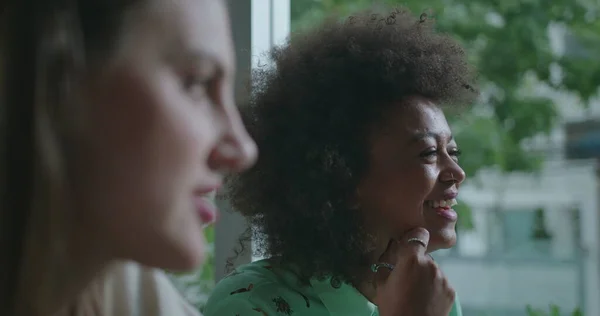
(311, 113)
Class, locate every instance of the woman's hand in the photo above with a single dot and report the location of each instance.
(416, 286)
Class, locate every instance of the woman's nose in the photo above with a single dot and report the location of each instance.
(237, 151)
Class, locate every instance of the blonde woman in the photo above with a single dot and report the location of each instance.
(116, 117)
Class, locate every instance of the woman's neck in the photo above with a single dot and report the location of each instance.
(369, 290)
(86, 265)
(78, 289)
(368, 287)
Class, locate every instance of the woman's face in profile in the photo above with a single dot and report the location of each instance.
(161, 130)
(414, 176)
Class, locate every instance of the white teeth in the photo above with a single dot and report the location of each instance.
(443, 203)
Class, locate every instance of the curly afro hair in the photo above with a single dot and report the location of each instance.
(311, 114)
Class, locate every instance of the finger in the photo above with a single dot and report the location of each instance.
(390, 253)
(414, 242)
(381, 270)
(412, 246)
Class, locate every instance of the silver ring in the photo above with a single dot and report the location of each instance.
(417, 240)
(375, 266)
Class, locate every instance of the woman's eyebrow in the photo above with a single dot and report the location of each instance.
(419, 136)
(199, 57)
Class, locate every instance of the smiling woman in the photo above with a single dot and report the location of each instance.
(355, 151)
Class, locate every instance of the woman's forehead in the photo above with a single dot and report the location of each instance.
(415, 118)
(191, 27)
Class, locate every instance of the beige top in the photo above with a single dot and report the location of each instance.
(129, 289)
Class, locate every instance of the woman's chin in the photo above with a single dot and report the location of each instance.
(443, 239)
(187, 255)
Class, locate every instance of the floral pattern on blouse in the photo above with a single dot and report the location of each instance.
(259, 289)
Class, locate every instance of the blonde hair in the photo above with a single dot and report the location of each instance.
(45, 44)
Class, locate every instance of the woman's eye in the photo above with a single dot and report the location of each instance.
(198, 88)
(432, 153)
(455, 153)
(190, 82)
(429, 153)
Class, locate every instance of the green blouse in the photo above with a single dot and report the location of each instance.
(258, 289)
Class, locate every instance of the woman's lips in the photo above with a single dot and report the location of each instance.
(443, 208)
(447, 213)
(205, 209)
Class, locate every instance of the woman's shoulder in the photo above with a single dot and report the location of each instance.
(258, 287)
(246, 282)
(131, 289)
(255, 273)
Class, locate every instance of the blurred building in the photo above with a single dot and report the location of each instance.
(536, 236)
(534, 242)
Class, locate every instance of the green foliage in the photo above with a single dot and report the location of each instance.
(554, 311)
(508, 43)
